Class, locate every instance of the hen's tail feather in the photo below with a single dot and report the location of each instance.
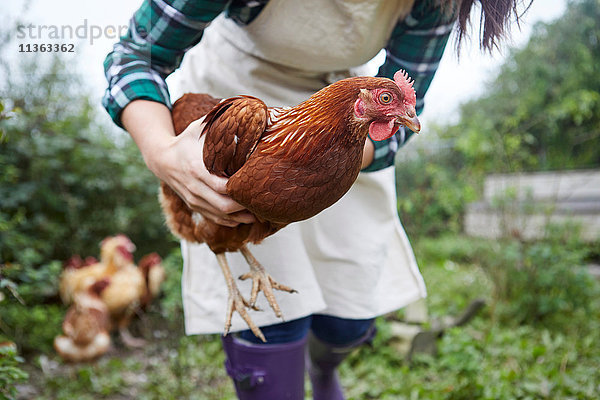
(178, 215)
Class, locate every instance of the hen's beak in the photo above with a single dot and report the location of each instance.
(411, 123)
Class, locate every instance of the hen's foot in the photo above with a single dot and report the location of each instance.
(130, 341)
(236, 302)
(262, 281)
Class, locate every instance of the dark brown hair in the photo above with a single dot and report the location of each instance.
(494, 21)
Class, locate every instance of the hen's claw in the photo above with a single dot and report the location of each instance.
(236, 302)
(262, 281)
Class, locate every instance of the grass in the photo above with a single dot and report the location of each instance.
(490, 358)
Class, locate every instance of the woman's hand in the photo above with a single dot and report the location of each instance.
(181, 166)
(368, 154)
(177, 160)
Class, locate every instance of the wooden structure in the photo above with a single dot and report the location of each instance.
(523, 204)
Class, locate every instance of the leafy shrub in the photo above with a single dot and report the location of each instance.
(449, 247)
(10, 372)
(171, 303)
(432, 192)
(31, 327)
(541, 112)
(68, 181)
(39, 285)
(540, 282)
(26, 315)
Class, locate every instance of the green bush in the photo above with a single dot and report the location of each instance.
(171, 306)
(432, 192)
(540, 282)
(542, 110)
(10, 371)
(32, 327)
(27, 313)
(449, 247)
(67, 180)
(35, 285)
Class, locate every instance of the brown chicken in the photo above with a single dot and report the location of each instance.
(284, 164)
(78, 275)
(85, 326)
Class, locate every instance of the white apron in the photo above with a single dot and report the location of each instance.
(353, 260)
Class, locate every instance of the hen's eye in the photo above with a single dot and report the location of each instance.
(385, 98)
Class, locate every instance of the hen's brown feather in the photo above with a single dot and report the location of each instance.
(233, 129)
(190, 107)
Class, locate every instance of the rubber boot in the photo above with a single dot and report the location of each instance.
(323, 360)
(265, 371)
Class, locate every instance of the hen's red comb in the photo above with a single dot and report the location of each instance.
(405, 83)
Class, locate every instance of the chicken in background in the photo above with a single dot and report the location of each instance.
(127, 286)
(77, 262)
(115, 253)
(284, 164)
(85, 326)
(131, 289)
(123, 297)
(154, 275)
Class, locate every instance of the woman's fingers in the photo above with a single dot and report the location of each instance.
(243, 217)
(202, 191)
(201, 195)
(230, 221)
(215, 206)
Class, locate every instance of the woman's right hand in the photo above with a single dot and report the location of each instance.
(178, 161)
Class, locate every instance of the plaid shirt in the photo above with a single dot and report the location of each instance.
(161, 31)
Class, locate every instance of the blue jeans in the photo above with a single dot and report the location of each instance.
(332, 330)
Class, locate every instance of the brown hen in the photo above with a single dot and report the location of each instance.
(284, 164)
(85, 326)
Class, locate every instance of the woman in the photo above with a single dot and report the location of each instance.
(350, 263)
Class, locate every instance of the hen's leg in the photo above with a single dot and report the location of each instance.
(262, 281)
(126, 337)
(129, 340)
(236, 301)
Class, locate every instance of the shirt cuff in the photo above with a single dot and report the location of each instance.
(145, 85)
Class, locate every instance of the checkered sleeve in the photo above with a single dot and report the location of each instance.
(159, 34)
(416, 45)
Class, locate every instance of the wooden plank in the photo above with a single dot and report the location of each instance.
(540, 198)
(550, 186)
(490, 224)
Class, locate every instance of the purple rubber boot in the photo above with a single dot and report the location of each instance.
(265, 371)
(323, 360)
